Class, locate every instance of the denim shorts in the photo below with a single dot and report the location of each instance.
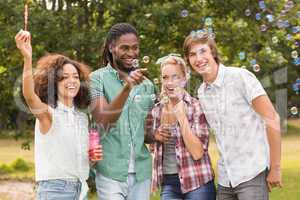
(58, 189)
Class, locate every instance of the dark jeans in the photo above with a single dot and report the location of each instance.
(171, 190)
(254, 189)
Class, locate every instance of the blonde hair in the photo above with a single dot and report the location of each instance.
(175, 59)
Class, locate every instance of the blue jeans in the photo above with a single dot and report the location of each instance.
(58, 189)
(171, 190)
(109, 189)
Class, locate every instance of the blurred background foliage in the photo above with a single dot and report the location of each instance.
(248, 32)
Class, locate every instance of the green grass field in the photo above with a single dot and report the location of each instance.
(11, 150)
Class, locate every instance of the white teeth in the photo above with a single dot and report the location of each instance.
(170, 89)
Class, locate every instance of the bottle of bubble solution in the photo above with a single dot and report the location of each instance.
(94, 139)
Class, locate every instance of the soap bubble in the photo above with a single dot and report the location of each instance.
(184, 13)
(268, 50)
(294, 54)
(280, 23)
(256, 68)
(297, 61)
(263, 27)
(253, 62)
(247, 12)
(153, 97)
(242, 55)
(208, 21)
(258, 16)
(275, 40)
(289, 37)
(135, 63)
(146, 59)
(286, 23)
(289, 5)
(270, 18)
(294, 110)
(262, 5)
(165, 99)
(296, 29)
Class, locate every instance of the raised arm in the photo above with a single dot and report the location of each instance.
(107, 113)
(36, 106)
(191, 141)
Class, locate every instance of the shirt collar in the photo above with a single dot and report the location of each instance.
(114, 71)
(187, 98)
(220, 77)
(63, 107)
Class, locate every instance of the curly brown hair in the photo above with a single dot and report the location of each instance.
(49, 72)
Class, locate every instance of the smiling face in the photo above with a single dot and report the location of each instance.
(125, 50)
(173, 79)
(201, 59)
(69, 83)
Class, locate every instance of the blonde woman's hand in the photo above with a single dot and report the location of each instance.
(161, 136)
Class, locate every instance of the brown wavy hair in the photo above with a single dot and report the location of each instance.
(49, 72)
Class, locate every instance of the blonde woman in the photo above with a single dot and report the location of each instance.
(182, 166)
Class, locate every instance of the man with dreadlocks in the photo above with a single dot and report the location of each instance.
(121, 99)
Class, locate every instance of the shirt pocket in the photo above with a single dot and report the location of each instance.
(142, 104)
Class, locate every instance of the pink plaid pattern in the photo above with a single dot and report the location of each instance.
(192, 173)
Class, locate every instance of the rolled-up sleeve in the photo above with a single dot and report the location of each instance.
(200, 126)
(96, 85)
(151, 124)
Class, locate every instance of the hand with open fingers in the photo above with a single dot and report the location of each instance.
(274, 179)
(96, 154)
(23, 42)
(161, 136)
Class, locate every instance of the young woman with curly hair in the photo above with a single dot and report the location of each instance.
(55, 95)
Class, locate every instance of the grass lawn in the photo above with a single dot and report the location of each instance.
(11, 149)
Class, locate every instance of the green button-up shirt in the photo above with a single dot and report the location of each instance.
(127, 130)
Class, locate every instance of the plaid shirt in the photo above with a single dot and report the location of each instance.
(192, 173)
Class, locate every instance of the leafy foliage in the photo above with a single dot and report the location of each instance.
(77, 28)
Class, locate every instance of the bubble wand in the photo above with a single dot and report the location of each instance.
(26, 16)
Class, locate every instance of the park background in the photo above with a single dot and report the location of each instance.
(261, 36)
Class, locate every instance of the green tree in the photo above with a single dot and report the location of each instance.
(77, 28)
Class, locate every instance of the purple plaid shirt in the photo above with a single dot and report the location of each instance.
(192, 173)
